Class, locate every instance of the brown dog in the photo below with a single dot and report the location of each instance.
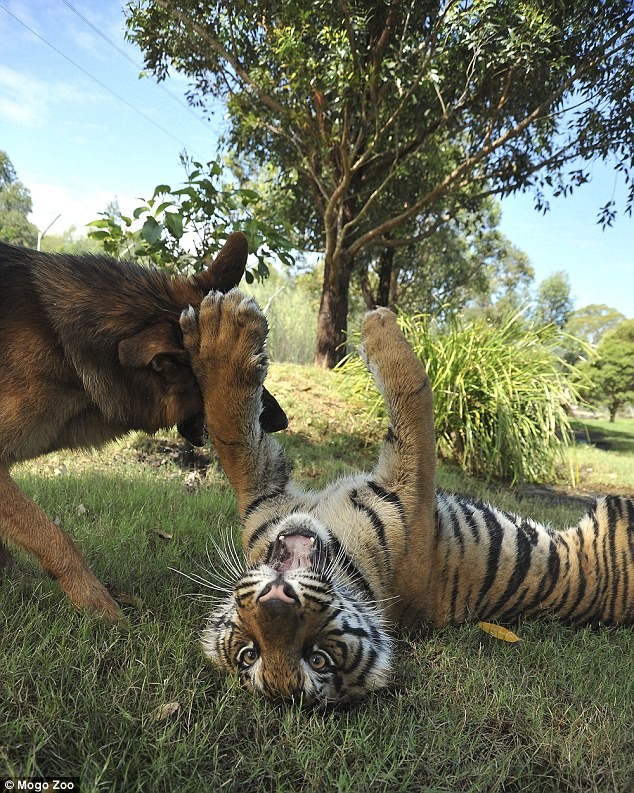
(90, 348)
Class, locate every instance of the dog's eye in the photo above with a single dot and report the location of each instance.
(247, 656)
(319, 661)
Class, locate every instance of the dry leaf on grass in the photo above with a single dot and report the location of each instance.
(164, 535)
(498, 632)
(165, 711)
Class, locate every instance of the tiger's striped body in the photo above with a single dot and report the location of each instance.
(496, 566)
(330, 573)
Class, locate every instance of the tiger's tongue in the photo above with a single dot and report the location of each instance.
(297, 552)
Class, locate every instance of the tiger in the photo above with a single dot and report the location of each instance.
(330, 575)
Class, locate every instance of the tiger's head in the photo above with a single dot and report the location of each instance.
(301, 624)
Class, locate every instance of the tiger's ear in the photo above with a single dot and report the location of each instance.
(154, 346)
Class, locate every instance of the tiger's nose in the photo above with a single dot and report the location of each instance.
(279, 591)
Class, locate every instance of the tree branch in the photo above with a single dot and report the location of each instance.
(486, 150)
(217, 47)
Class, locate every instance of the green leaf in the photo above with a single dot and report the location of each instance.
(162, 207)
(251, 195)
(160, 189)
(286, 258)
(174, 223)
(190, 191)
(151, 231)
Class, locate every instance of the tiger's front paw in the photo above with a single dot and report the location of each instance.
(226, 337)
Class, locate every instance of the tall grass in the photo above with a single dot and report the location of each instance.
(292, 316)
(499, 394)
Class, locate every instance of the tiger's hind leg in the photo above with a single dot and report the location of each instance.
(407, 462)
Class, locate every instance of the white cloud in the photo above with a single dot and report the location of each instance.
(28, 99)
(17, 112)
(22, 98)
(85, 41)
(76, 207)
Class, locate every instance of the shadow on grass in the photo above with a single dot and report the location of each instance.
(605, 436)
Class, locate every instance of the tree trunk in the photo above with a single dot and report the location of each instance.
(366, 290)
(332, 322)
(394, 287)
(386, 261)
(614, 406)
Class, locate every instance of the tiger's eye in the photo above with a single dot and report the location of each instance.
(318, 661)
(247, 657)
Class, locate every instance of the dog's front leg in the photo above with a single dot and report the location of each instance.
(24, 524)
(225, 341)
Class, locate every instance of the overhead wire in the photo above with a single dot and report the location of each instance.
(131, 60)
(132, 107)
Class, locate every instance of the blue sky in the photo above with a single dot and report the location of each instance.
(80, 134)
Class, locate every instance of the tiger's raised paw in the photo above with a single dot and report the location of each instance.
(226, 335)
(378, 330)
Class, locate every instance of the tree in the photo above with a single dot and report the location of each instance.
(585, 328)
(387, 119)
(592, 322)
(554, 304)
(70, 241)
(15, 207)
(467, 264)
(612, 374)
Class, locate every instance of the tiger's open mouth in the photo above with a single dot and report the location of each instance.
(294, 550)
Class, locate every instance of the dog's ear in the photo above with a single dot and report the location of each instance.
(155, 346)
(227, 268)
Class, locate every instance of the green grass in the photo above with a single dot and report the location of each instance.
(603, 458)
(617, 436)
(464, 713)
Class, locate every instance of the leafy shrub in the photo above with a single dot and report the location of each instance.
(182, 229)
(500, 394)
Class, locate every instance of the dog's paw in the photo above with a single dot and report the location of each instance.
(87, 594)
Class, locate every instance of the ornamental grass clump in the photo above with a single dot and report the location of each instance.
(500, 394)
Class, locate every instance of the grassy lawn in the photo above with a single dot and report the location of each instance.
(603, 457)
(138, 709)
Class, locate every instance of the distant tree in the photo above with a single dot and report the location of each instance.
(387, 119)
(554, 303)
(592, 322)
(15, 207)
(509, 278)
(70, 241)
(587, 326)
(468, 264)
(612, 374)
